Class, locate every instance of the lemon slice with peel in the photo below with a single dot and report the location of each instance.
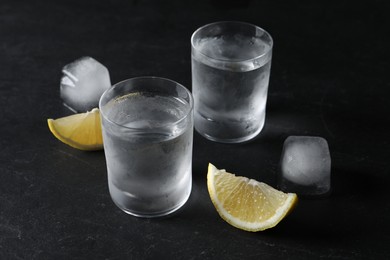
(246, 203)
(82, 131)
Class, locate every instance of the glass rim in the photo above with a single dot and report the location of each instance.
(271, 42)
(120, 83)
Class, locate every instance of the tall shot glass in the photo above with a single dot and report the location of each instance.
(147, 127)
(231, 64)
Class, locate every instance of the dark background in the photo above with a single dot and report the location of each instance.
(329, 78)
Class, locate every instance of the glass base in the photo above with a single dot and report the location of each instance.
(243, 139)
(154, 214)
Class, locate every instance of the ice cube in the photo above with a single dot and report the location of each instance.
(305, 166)
(82, 83)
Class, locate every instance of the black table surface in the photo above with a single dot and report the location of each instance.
(329, 78)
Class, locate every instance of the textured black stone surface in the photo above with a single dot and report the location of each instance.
(329, 78)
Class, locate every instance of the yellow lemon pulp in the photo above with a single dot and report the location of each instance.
(82, 131)
(246, 203)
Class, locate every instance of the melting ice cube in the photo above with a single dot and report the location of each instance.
(305, 166)
(82, 83)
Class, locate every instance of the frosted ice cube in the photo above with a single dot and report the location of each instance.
(305, 166)
(82, 83)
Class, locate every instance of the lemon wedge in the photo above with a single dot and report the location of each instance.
(82, 131)
(246, 203)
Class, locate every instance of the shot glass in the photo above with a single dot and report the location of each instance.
(231, 64)
(147, 125)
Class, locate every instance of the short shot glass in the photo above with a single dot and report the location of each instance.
(231, 63)
(147, 125)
